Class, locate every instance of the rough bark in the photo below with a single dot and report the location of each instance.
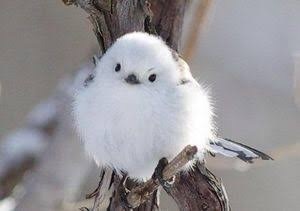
(198, 189)
(113, 18)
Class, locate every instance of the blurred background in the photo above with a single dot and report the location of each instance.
(247, 52)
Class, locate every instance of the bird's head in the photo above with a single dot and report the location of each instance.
(140, 59)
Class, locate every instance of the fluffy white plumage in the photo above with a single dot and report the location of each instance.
(142, 104)
(131, 126)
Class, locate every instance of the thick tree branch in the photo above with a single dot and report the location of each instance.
(113, 18)
(199, 190)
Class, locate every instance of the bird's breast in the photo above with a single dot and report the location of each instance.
(134, 128)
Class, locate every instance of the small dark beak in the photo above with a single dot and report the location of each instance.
(132, 79)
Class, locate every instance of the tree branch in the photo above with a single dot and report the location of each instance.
(142, 193)
(199, 190)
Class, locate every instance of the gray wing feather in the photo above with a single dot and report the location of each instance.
(231, 148)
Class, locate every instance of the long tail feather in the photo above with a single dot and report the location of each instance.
(231, 148)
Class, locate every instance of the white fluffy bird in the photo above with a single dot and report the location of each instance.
(143, 104)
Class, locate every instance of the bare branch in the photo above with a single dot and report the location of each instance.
(143, 192)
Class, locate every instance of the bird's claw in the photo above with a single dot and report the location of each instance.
(158, 174)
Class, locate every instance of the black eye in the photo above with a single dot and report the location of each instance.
(152, 77)
(89, 79)
(118, 67)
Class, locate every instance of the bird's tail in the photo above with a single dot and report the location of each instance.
(231, 148)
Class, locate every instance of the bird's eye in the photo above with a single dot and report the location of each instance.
(118, 67)
(89, 79)
(152, 77)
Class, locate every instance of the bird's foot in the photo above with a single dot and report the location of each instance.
(158, 174)
(123, 191)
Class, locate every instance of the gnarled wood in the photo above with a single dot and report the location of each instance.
(199, 189)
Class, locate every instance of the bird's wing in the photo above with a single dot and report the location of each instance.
(231, 148)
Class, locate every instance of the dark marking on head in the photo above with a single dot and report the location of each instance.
(183, 81)
(174, 54)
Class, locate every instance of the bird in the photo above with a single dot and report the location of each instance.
(142, 104)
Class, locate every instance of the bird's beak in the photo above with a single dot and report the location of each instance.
(132, 79)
